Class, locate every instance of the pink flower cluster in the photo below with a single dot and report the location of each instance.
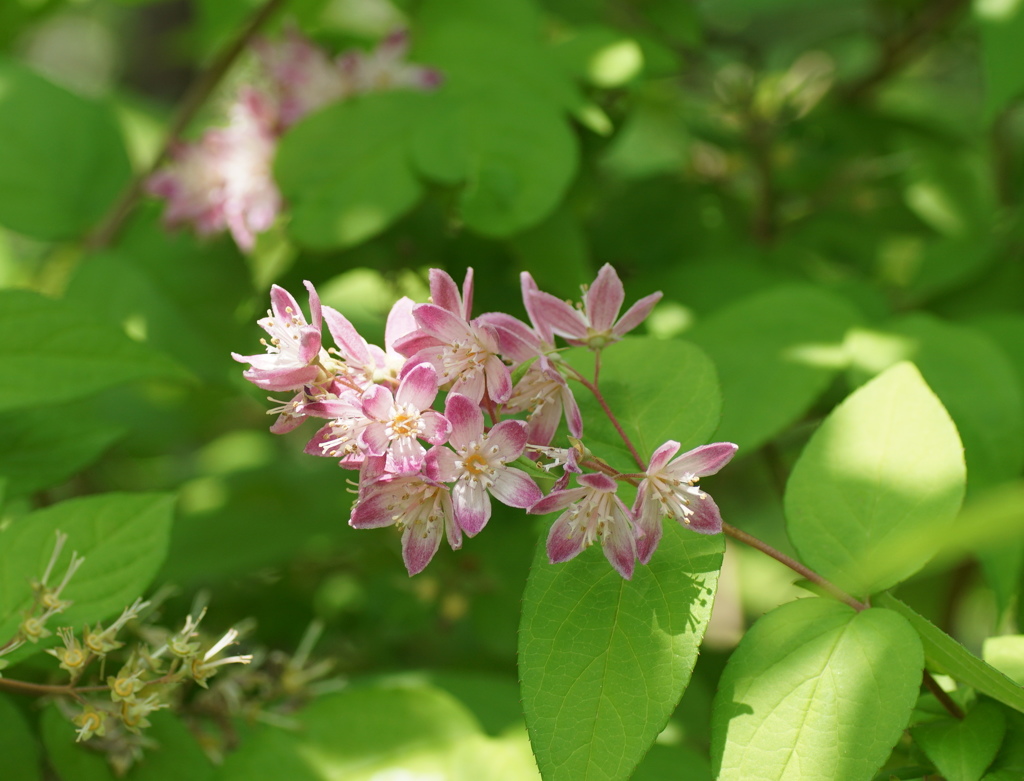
(434, 473)
(224, 181)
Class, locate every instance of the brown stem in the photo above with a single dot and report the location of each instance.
(898, 51)
(194, 99)
(944, 699)
(760, 139)
(793, 564)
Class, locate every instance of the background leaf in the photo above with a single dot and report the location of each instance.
(887, 462)
(123, 538)
(963, 748)
(775, 352)
(18, 744)
(815, 690)
(53, 341)
(62, 159)
(604, 661)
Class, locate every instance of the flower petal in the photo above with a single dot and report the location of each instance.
(702, 461)
(564, 542)
(706, 518)
(441, 323)
(509, 437)
(374, 439)
(284, 305)
(515, 488)
(603, 300)
(598, 482)
(400, 321)
(528, 286)
(418, 387)
(377, 402)
(499, 380)
(440, 465)
(405, 456)
(467, 293)
(350, 344)
(316, 317)
(620, 548)
(436, 428)
(648, 526)
(466, 418)
(419, 544)
(636, 314)
(557, 500)
(444, 292)
(472, 506)
(556, 316)
(662, 456)
(377, 508)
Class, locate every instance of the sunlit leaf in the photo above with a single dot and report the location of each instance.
(815, 690)
(604, 661)
(886, 463)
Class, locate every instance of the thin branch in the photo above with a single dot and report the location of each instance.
(944, 699)
(191, 103)
(611, 416)
(900, 50)
(793, 564)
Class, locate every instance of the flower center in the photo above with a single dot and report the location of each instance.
(405, 422)
(476, 464)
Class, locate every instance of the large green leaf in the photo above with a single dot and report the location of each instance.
(885, 464)
(43, 447)
(815, 690)
(657, 389)
(501, 129)
(346, 170)
(945, 655)
(963, 748)
(53, 351)
(62, 159)
(18, 746)
(775, 353)
(514, 152)
(603, 661)
(123, 538)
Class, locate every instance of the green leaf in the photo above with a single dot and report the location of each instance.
(963, 749)
(678, 762)
(18, 746)
(885, 465)
(1006, 654)
(346, 170)
(178, 292)
(54, 352)
(360, 734)
(123, 538)
(776, 352)
(603, 661)
(43, 447)
(514, 152)
(815, 690)
(1002, 29)
(555, 252)
(62, 158)
(658, 390)
(977, 384)
(945, 655)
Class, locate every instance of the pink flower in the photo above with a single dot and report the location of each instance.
(419, 506)
(598, 323)
(385, 68)
(304, 78)
(594, 513)
(291, 361)
(464, 352)
(399, 421)
(670, 489)
(225, 180)
(479, 465)
(545, 395)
